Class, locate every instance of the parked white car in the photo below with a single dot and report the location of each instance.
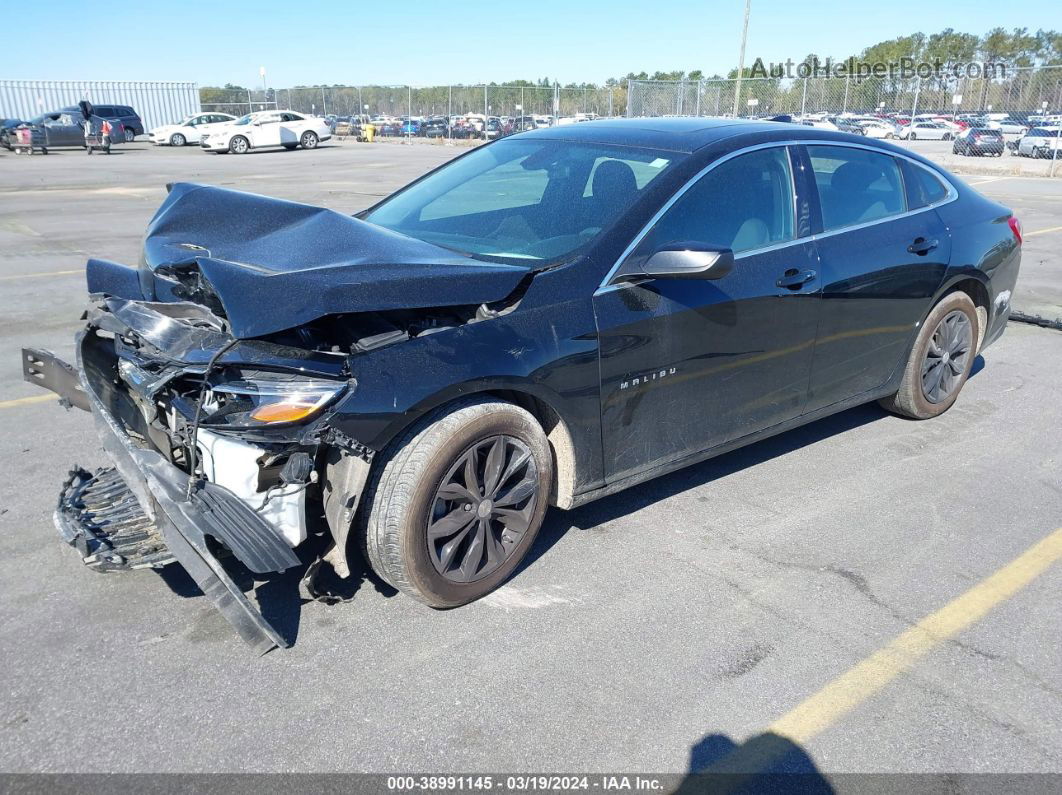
(1041, 142)
(266, 129)
(878, 129)
(189, 130)
(1008, 126)
(930, 130)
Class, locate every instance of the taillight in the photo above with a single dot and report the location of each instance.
(1015, 227)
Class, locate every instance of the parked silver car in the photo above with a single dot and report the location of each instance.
(1040, 142)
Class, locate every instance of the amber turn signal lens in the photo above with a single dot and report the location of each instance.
(283, 412)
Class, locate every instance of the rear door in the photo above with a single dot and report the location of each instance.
(883, 251)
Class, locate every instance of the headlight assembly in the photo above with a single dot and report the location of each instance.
(267, 399)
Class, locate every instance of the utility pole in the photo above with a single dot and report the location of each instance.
(741, 58)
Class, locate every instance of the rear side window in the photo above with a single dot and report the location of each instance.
(104, 110)
(856, 186)
(743, 204)
(923, 187)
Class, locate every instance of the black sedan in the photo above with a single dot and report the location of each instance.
(978, 141)
(545, 320)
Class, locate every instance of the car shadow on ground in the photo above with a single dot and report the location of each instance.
(767, 762)
(280, 149)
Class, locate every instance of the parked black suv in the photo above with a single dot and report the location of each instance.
(124, 114)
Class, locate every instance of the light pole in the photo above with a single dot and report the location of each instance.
(741, 58)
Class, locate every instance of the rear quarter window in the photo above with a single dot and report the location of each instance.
(923, 187)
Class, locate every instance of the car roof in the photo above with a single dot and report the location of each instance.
(682, 134)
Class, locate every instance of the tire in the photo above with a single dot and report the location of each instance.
(956, 311)
(177, 139)
(912, 137)
(130, 135)
(947, 137)
(404, 495)
(889, 135)
(289, 147)
(308, 140)
(239, 145)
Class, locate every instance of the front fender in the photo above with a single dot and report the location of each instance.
(548, 353)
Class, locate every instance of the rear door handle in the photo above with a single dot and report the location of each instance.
(794, 279)
(921, 246)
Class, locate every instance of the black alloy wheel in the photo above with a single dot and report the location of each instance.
(482, 509)
(946, 357)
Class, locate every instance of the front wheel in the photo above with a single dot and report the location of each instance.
(458, 502)
(177, 139)
(308, 140)
(947, 136)
(239, 145)
(940, 361)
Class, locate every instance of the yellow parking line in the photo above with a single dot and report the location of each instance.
(821, 710)
(1042, 231)
(38, 275)
(10, 404)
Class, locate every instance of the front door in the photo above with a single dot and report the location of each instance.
(690, 364)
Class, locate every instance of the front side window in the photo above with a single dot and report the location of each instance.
(742, 204)
(856, 186)
(524, 200)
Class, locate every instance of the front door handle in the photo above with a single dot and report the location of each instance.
(794, 279)
(921, 246)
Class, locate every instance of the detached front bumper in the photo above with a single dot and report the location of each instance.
(159, 487)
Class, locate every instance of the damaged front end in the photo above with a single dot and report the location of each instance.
(216, 447)
(220, 373)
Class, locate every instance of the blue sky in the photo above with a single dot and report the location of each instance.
(469, 41)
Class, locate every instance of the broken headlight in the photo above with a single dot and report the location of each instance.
(267, 399)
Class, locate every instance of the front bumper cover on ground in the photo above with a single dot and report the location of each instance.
(185, 524)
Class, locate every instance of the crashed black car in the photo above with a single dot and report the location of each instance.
(545, 320)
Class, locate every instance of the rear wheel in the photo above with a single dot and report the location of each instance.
(940, 361)
(130, 135)
(947, 136)
(308, 140)
(177, 139)
(458, 502)
(239, 145)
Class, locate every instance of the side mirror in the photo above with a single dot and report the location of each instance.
(682, 261)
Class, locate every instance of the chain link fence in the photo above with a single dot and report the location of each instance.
(1020, 93)
(441, 100)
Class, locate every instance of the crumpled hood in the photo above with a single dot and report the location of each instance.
(276, 264)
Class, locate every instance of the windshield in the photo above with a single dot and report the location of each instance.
(526, 201)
